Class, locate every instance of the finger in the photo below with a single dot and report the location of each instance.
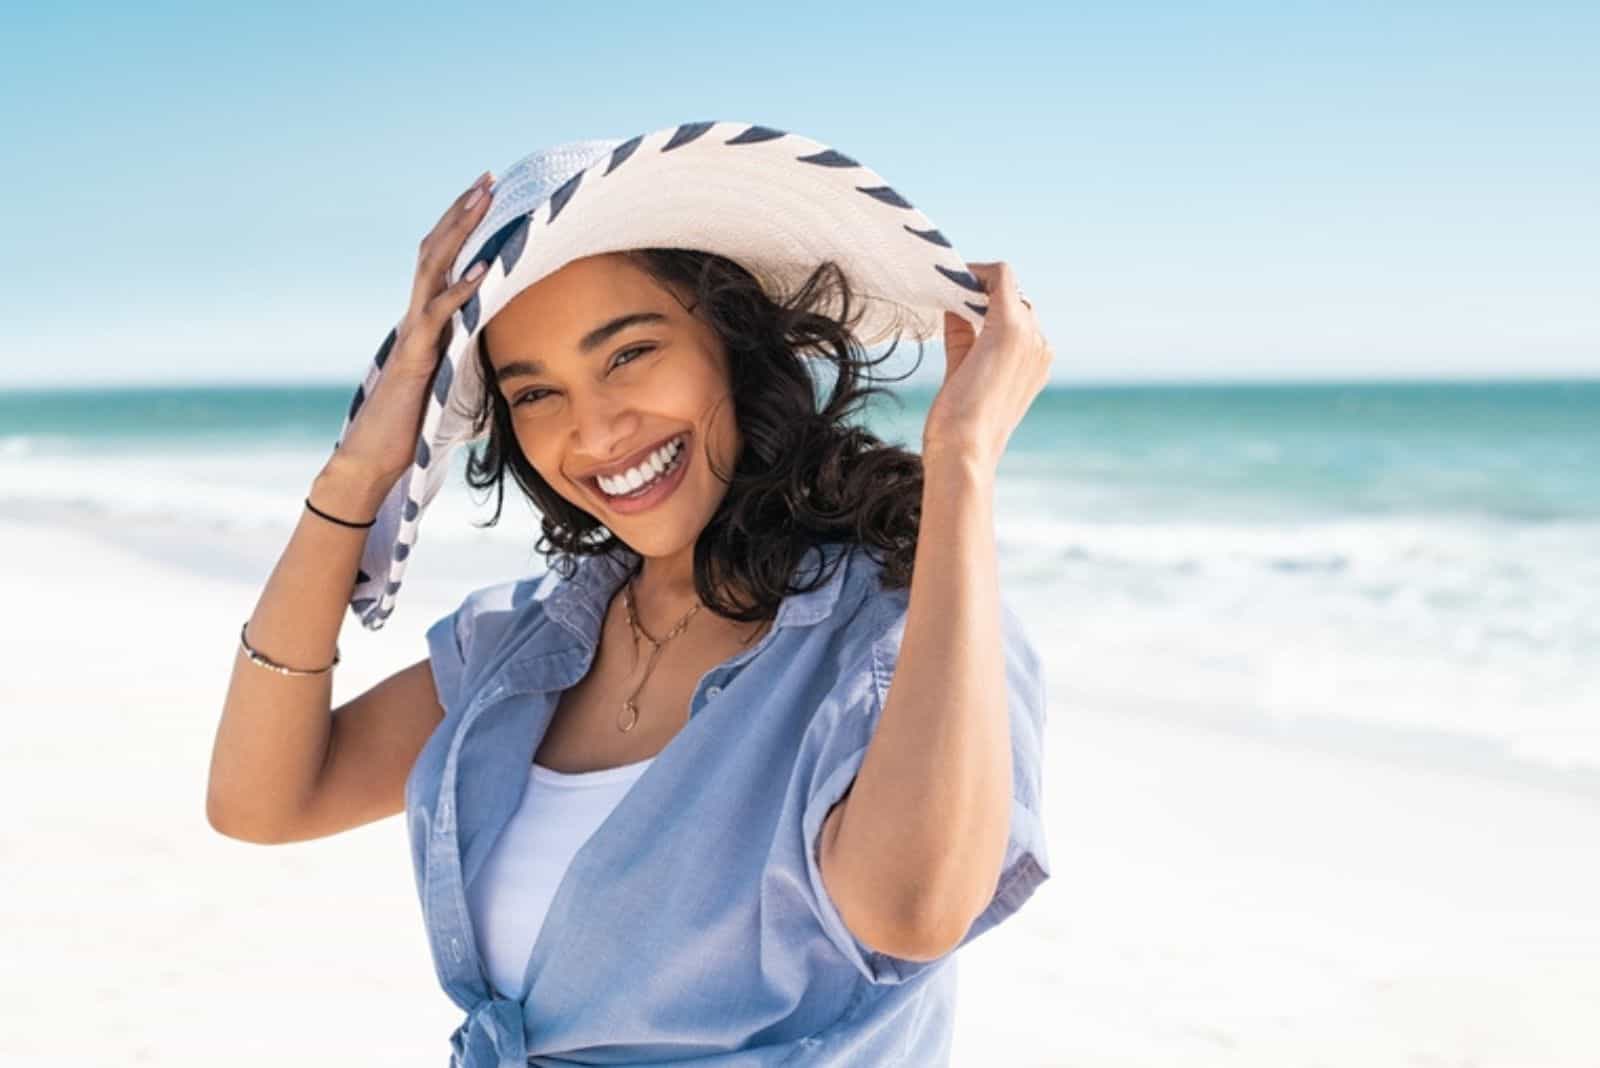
(448, 245)
(483, 181)
(1000, 285)
(464, 214)
(430, 320)
(439, 248)
(957, 329)
(462, 206)
(444, 304)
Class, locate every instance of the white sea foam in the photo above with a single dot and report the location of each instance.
(1478, 630)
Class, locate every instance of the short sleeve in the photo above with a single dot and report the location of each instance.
(464, 639)
(447, 657)
(844, 733)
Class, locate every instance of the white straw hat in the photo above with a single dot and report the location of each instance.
(776, 203)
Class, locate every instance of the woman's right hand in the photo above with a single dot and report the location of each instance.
(382, 439)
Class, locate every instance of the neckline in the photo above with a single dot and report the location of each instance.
(595, 777)
(579, 603)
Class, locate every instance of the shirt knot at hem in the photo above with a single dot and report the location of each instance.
(492, 1036)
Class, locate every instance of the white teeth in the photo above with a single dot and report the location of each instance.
(648, 471)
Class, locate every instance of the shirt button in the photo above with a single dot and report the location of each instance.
(712, 691)
(455, 948)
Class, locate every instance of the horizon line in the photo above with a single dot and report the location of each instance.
(1475, 378)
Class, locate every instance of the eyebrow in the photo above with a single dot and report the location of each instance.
(591, 341)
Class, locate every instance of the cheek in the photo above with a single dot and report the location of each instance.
(543, 460)
(721, 436)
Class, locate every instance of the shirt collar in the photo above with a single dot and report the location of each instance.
(579, 603)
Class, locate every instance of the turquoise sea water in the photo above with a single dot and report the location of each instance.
(1420, 561)
(1514, 451)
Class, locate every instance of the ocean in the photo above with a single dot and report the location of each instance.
(1406, 571)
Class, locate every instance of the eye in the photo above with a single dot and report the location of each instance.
(619, 361)
(532, 395)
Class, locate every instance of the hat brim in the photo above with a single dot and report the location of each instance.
(777, 203)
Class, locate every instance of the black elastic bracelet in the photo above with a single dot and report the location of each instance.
(336, 519)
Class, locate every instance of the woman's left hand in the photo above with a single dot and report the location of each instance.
(991, 377)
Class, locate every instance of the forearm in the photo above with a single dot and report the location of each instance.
(273, 735)
(928, 816)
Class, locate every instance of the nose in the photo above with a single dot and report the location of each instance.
(603, 428)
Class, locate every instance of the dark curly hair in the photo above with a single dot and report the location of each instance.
(805, 475)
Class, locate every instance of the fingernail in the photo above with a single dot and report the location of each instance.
(477, 195)
(476, 269)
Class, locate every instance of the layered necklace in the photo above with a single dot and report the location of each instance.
(629, 716)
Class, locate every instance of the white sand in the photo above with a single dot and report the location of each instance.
(1217, 899)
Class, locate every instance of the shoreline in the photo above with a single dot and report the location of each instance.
(428, 585)
(1214, 898)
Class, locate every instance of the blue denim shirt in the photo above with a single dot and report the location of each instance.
(693, 927)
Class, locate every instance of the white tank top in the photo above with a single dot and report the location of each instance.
(509, 897)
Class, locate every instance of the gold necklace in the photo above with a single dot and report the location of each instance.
(629, 708)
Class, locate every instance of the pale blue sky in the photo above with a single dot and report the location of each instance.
(220, 193)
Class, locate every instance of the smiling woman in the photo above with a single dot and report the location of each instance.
(762, 847)
(602, 364)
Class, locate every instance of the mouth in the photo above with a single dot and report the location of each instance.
(654, 490)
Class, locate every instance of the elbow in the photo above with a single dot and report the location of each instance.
(919, 942)
(936, 932)
(228, 823)
(901, 930)
(920, 948)
(922, 929)
(883, 914)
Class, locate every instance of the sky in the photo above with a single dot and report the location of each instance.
(227, 193)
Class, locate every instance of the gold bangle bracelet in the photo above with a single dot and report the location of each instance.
(272, 665)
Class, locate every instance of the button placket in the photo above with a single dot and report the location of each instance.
(446, 821)
(731, 667)
(444, 904)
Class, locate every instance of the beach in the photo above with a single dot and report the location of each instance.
(1217, 898)
(1322, 779)
(1284, 347)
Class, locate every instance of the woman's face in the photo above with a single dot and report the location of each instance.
(592, 394)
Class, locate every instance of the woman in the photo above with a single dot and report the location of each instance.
(731, 781)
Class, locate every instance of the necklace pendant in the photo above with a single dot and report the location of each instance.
(632, 711)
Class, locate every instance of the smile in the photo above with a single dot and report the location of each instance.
(649, 482)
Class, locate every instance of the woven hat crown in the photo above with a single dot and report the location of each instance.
(777, 203)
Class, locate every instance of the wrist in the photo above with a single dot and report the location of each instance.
(349, 491)
(959, 460)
